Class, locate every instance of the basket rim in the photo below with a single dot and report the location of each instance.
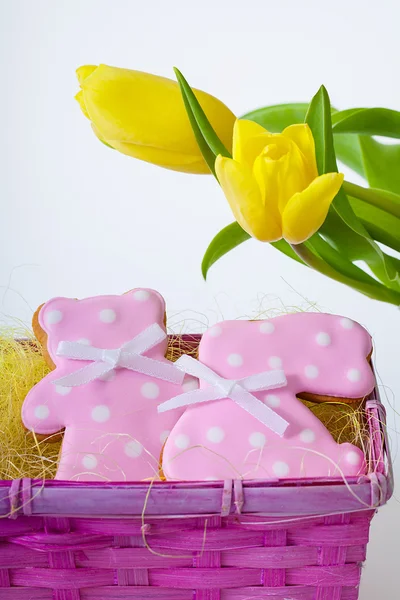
(56, 498)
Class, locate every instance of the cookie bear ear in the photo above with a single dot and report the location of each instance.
(144, 294)
(53, 312)
(148, 297)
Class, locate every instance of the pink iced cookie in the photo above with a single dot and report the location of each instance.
(112, 429)
(320, 354)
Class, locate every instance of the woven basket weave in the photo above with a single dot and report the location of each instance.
(232, 540)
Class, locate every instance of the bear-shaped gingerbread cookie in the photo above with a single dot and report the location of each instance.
(232, 435)
(110, 374)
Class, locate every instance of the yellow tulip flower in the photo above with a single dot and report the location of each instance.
(143, 116)
(272, 182)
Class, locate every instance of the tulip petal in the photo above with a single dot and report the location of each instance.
(83, 72)
(176, 161)
(268, 175)
(97, 134)
(295, 178)
(171, 160)
(134, 110)
(81, 101)
(306, 211)
(280, 171)
(302, 136)
(245, 199)
(249, 139)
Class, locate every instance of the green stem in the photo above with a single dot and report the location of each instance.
(387, 201)
(377, 292)
(287, 249)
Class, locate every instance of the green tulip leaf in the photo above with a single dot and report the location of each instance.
(230, 237)
(319, 119)
(387, 201)
(348, 152)
(373, 255)
(338, 260)
(329, 262)
(227, 239)
(368, 121)
(343, 114)
(279, 116)
(203, 124)
(381, 226)
(358, 247)
(208, 154)
(381, 164)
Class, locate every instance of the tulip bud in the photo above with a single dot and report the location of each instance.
(143, 116)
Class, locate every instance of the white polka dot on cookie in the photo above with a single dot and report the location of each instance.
(307, 436)
(272, 400)
(101, 413)
(141, 295)
(323, 339)
(107, 315)
(267, 327)
(347, 323)
(182, 441)
(280, 468)
(133, 449)
(215, 434)
(42, 412)
(53, 316)
(275, 362)
(354, 375)
(311, 371)
(150, 390)
(89, 461)
(353, 458)
(235, 360)
(257, 439)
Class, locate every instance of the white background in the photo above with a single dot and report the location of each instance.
(78, 219)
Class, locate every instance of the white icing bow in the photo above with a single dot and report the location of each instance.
(236, 390)
(129, 356)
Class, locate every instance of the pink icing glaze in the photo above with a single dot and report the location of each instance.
(321, 354)
(112, 429)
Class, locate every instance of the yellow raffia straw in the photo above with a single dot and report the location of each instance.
(146, 526)
(21, 366)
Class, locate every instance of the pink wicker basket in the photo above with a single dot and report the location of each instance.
(292, 539)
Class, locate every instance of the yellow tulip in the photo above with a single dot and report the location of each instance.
(272, 182)
(143, 116)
